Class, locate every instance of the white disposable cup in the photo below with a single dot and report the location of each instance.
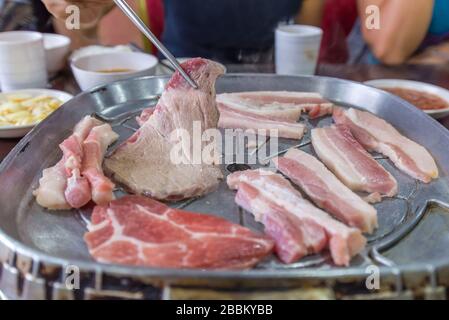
(296, 49)
(22, 60)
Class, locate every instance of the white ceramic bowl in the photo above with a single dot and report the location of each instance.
(56, 51)
(419, 86)
(22, 60)
(97, 49)
(20, 131)
(87, 69)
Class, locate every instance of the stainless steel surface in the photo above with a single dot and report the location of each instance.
(411, 246)
(129, 12)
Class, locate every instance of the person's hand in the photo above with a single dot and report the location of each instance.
(91, 11)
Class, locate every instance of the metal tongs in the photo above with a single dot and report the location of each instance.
(129, 12)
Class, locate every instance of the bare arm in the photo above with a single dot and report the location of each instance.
(438, 54)
(403, 27)
(311, 13)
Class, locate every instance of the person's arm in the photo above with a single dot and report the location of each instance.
(438, 54)
(311, 13)
(403, 27)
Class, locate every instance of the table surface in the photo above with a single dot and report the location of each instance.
(438, 75)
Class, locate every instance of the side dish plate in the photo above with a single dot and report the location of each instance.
(418, 86)
(18, 131)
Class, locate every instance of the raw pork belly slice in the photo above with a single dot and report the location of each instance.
(94, 148)
(350, 162)
(276, 105)
(318, 110)
(326, 191)
(235, 119)
(77, 192)
(292, 239)
(143, 163)
(68, 184)
(52, 185)
(378, 135)
(136, 230)
(318, 228)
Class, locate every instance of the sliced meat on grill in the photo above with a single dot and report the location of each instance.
(318, 229)
(375, 134)
(292, 239)
(136, 230)
(318, 110)
(276, 105)
(158, 160)
(77, 192)
(326, 191)
(77, 177)
(94, 148)
(235, 119)
(52, 185)
(350, 162)
(144, 116)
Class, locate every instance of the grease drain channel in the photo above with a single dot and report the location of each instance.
(394, 214)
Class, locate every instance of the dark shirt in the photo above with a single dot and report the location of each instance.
(225, 30)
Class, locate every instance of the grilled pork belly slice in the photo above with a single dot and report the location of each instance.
(319, 230)
(145, 164)
(284, 106)
(378, 135)
(77, 192)
(94, 149)
(326, 191)
(52, 185)
(74, 180)
(318, 110)
(235, 119)
(350, 162)
(136, 230)
(293, 240)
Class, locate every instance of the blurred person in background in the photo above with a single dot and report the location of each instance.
(230, 31)
(406, 29)
(24, 15)
(410, 32)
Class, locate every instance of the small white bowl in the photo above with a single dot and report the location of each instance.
(56, 51)
(22, 60)
(20, 131)
(97, 49)
(418, 86)
(87, 69)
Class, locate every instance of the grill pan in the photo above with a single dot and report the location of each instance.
(40, 249)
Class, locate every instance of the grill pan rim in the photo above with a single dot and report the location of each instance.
(160, 273)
